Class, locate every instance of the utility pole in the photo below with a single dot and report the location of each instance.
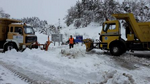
(58, 28)
(59, 22)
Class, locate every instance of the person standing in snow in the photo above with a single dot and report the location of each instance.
(71, 42)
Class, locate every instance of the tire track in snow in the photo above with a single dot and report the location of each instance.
(22, 76)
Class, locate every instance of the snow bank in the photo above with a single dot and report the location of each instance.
(113, 77)
(74, 52)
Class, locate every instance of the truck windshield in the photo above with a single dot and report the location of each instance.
(28, 30)
(110, 26)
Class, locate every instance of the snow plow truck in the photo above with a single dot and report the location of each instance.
(14, 35)
(137, 36)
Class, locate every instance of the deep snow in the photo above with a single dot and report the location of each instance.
(63, 65)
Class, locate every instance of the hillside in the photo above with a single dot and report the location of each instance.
(92, 31)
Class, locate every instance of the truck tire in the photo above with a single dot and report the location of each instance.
(116, 50)
(10, 46)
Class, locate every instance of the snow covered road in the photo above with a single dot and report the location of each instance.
(61, 65)
(7, 77)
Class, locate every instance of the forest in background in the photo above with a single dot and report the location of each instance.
(87, 11)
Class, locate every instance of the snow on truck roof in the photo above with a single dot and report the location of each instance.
(17, 23)
(10, 20)
(123, 15)
(20, 24)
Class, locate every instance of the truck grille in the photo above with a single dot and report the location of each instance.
(31, 39)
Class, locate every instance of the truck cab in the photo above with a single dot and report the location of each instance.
(16, 35)
(109, 33)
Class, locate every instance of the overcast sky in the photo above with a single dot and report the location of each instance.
(50, 10)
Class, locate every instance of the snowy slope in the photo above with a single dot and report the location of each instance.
(89, 32)
(92, 31)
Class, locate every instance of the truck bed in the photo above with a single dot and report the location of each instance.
(4, 23)
(141, 30)
(145, 29)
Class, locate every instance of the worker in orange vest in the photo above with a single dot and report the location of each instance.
(71, 42)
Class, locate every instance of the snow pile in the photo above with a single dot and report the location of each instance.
(54, 65)
(94, 67)
(113, 77)
(73, 53)
(78, 66)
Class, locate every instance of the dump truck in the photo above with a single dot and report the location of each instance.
(137, 36)
(14, 35)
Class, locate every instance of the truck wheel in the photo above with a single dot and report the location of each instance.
(116, 50)
(10, 46)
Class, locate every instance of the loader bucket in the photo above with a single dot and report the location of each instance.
(89, 44)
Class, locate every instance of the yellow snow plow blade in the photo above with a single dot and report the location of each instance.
(89, 44)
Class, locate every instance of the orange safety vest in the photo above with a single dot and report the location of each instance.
(71, 41)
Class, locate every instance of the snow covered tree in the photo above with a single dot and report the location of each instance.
(105, 9)
(3, 14)
(87, 11)
(71, 16)
(140, 9)
(35, 22)
(77, 23)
